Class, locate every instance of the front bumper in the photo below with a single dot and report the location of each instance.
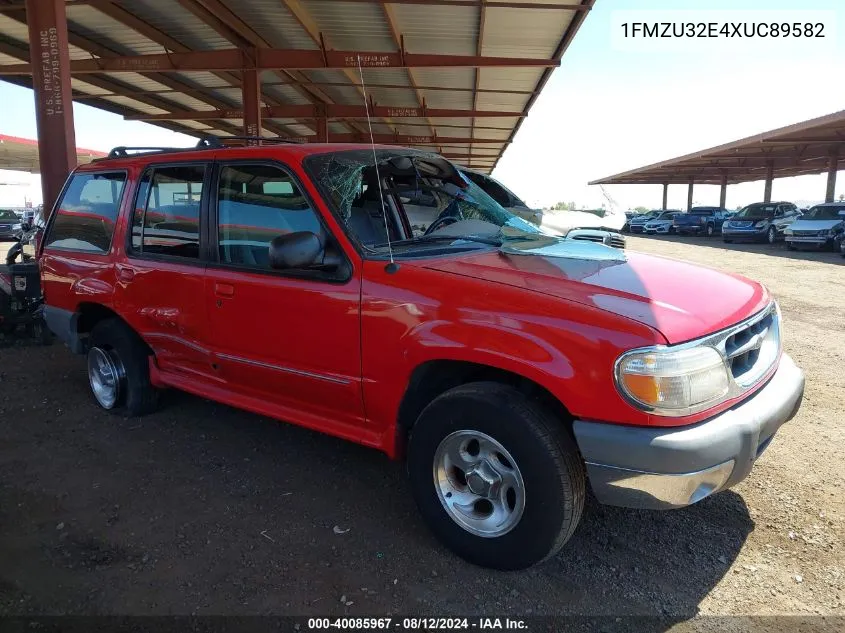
(636, 228)
(809, 241)
(745, 234)
(663, 468)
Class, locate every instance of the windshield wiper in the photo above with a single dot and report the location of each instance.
(490, 241)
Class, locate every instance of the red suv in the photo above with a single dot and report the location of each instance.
(379, 295)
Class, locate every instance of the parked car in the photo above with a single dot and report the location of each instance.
(760, 222)
(508, 367)
(818, 227)
(10, 226)
(636, 224)
(701, 221)
(662, 224)
(504, 196)
(840, 244)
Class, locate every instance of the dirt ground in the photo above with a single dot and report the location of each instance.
(203, 509)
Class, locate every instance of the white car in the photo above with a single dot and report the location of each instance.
(661, 225)
(818, 227)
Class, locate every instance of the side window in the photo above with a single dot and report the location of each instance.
(87, 213)
(166, 219)
(256, 203)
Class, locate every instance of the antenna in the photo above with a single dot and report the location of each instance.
(391, 267)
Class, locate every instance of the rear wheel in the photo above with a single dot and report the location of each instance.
(496, 476)
(710, 230)
(119, 371)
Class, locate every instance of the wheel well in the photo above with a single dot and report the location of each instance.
(433, 378)
(90, 314)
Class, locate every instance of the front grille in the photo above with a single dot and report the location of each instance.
(808, 233)
(751, 348)
(740, 225)
(616, 241)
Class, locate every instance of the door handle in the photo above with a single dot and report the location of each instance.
(125, 274)
(224, 290)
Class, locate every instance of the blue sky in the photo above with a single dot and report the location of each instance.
(607, 110)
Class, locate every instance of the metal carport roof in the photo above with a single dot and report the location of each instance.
(812, 147)
(455, 75)
(21, 154)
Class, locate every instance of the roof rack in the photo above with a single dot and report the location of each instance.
(212, 140)
(209, 141)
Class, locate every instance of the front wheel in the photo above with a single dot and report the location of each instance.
(771, 235)
(710, 230)
(496, 476)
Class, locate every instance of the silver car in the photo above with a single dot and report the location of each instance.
(817, 228)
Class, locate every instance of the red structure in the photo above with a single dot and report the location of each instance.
(810, 147)
(290, 68)
(48, 51)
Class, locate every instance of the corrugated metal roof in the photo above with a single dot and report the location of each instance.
(152, 27)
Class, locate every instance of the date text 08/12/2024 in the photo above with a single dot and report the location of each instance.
(418, 624)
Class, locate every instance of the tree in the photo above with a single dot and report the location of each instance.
(641, 209)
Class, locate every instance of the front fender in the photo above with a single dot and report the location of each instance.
(416, 316)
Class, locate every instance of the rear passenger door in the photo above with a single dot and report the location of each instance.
(289, 341)
(160, 282)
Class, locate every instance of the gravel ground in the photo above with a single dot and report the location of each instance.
(203, 509)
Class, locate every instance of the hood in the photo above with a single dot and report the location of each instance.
(680, 300)
(806, 224)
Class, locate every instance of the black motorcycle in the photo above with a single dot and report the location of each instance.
(21, 300)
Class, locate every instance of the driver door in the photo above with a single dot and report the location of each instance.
(286, 342)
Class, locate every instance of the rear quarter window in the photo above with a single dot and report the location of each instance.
(87, 213)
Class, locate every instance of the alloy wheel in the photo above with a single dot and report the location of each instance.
(479, 483)
(105, 374)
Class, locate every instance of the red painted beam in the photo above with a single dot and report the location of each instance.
(320, 111)
(406, 139)
(280, 59)
(251, 94)
(48, 50)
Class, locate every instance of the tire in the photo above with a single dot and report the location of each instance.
(709, 230)
(114, 343)
(771, 235)
(671, 230)
(542, 455)
(790, 246)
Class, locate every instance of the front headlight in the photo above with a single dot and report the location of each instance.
(671, 382)
(761, 224)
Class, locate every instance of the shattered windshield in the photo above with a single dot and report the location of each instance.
(412, 199)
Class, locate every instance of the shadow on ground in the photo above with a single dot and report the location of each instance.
(203, 509)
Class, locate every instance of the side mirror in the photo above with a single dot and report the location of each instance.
(295, 250)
